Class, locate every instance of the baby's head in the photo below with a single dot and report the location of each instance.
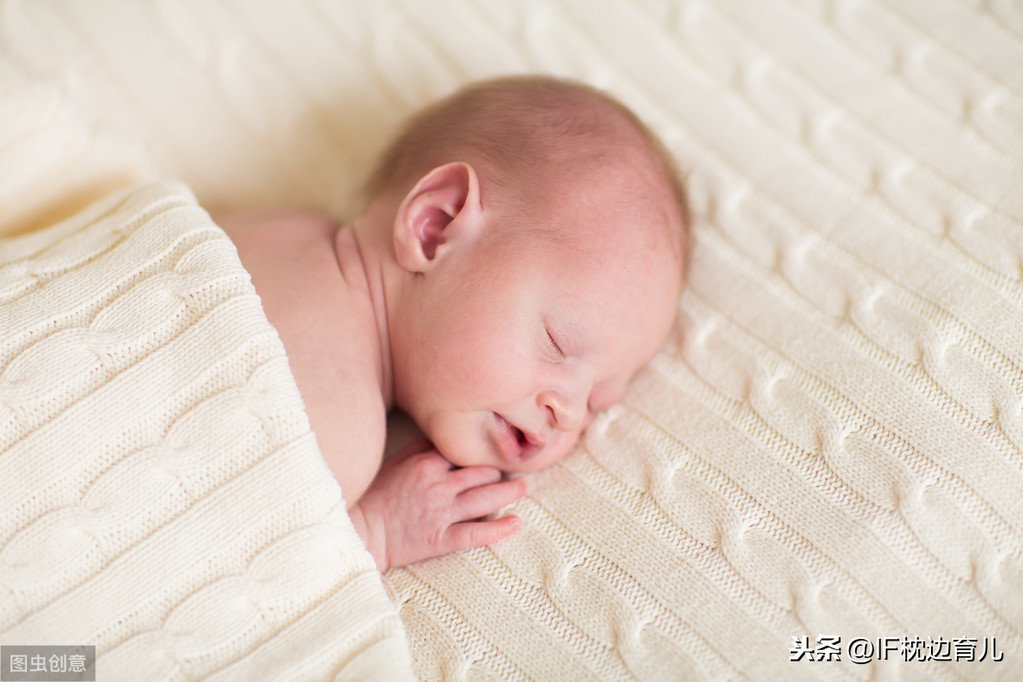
(536, 249)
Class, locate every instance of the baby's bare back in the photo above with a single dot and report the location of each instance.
(310, 278)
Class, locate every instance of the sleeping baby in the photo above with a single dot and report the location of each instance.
(519, 258)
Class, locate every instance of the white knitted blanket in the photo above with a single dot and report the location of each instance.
(824, 464)
(163, 498)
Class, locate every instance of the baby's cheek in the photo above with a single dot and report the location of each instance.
(605, 396)
(574, 439)
(565, 443)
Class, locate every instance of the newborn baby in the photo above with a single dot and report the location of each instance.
(519, 258)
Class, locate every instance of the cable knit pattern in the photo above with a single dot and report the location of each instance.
(829, 445)
(163, 496)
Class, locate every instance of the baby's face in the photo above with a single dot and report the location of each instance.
(517, 342)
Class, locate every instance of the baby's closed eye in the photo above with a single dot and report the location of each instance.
(554, 345)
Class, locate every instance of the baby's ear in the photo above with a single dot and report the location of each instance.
(440, 210)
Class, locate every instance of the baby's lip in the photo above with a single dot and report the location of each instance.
(516, 444)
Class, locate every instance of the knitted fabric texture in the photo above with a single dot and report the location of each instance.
(163, 497)
(827, 449)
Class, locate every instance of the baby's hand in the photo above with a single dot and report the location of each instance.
(420, 506)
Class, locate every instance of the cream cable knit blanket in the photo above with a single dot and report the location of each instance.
(831, 445)
(162, 495)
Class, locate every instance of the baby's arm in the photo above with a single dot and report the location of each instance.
(420, 506)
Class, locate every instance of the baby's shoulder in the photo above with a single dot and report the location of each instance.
(290, 257)
(311, 285)
(271, 239)
(324, 316)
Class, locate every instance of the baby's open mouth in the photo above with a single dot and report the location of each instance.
(511, 440)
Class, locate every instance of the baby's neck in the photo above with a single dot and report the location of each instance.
(362, 254)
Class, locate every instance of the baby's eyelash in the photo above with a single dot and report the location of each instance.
(554, 345)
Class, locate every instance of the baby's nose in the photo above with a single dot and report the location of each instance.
(565, 412)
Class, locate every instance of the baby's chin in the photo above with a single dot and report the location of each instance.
(466, 449)
(476, 441)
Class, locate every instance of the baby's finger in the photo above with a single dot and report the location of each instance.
(470, 477)
(478, 533)
(487, 499)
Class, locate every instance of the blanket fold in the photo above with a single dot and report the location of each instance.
(164, 497)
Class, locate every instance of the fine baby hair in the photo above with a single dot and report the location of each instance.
(525, 134)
